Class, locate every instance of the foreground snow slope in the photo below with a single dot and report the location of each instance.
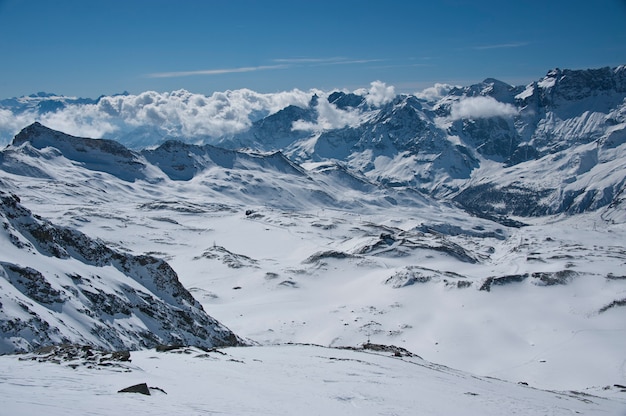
(276, 380)
(285, 254)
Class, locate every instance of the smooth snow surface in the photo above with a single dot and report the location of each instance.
(407, 274)
(276, 380)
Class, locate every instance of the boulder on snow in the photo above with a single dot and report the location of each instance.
(141, 388)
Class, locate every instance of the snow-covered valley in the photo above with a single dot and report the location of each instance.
(519, 304)
(322, 253)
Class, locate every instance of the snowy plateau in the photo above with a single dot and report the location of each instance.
(456, 251)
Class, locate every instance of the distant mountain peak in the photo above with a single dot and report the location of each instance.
(96, 154)
(574, 84)
(34, 130)
(41, 136)
(42, 94)
(345, 100)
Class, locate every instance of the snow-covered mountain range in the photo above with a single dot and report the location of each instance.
(479, 227)
(555, 143)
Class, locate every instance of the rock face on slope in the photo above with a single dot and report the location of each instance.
(59, 286)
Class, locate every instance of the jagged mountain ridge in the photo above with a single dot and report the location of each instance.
(221, 172)
(60, 286)
(553, 146)
(486, 143)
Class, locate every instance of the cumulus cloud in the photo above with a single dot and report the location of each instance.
(188, 114)
(480, 107)
(11, 124)
(177, 113)
(378, 94)
(434, 93)
(329, 117)
(182, 113)
(80, 120)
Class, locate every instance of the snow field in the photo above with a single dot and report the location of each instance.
(276, 380)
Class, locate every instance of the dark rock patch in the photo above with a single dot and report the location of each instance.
(503, 280)
(141, 388)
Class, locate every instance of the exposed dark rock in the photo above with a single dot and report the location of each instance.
(74, 355)
(561, 277)
(32, 283)
(503, 280)
(410, 276)
(141, 388)
(345, 100)
(167, 348)
(612, 276)
(393, 349)
(614, 304)
(330, 254)
(230, 259)
(462, 284)
(403, 243)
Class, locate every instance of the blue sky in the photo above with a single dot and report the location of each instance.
(91, 47)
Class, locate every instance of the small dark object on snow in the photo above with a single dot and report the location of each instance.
(395, 350)
(119, 356)
(167, 348)
(141, 388)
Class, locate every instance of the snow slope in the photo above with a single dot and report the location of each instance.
(280, 253)
(276, 380)
(60, 286)
(482, 230)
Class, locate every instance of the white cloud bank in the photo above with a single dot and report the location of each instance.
(330, 117)
(178, 113)
(378, 94)
(434, 93)
(183, 114)
(480, 107)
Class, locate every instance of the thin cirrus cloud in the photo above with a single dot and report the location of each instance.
(325, 61)
(177, 74)
(310, 60)
(280, 64)
(501, 46)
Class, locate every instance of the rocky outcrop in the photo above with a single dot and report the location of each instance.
(78, 290)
